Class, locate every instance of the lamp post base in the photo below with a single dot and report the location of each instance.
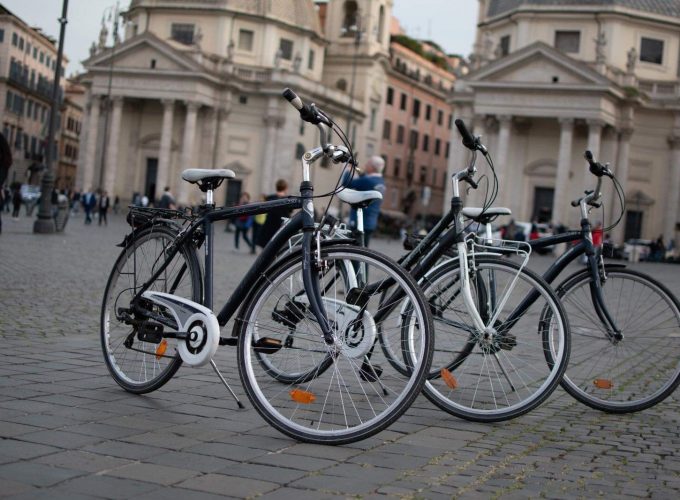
(44, 226)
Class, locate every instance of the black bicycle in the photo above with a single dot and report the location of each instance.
(303, 336)
(625, 325)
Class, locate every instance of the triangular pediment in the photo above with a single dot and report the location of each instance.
(138, 53)
(538, 63)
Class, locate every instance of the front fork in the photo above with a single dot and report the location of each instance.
(597, 272)
(310, 265)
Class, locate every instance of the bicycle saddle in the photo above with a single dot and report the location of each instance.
(475, 213)
(207, 178)
(359, 199)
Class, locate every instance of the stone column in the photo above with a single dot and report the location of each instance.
(673, 199)
(273, 121)
(594, 141)
(113, 146)
(458, 154)
(561, 198)
(621, 173)
(222, 136)
(166, 146)
(187, 150)
(502, 160)
(91, 144)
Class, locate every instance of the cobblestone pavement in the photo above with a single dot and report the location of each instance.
(68, 431)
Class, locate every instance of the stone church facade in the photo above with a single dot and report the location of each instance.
(198, 84)
(553, 78)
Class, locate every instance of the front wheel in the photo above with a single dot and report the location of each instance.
(348, 391)
(514, 365)
(640, 369)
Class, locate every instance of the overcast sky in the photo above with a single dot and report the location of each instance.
(450, 23)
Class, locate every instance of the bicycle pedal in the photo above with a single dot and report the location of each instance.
(291, 314)
(267, 345)
(370, 373)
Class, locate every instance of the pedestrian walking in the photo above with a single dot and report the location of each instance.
(5, 164)
(103, 205)
(167, 199)
(116, 204)
(16, 201)
(89, 202)
(258, 222)
(243, 224)
(273, 222)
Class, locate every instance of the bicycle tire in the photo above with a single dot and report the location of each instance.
(502, 376)
(643, 368)
(137, 367)
(344, 402)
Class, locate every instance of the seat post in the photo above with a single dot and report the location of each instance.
(209, 197)
(360, 226)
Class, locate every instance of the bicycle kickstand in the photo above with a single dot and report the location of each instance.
(233, 394)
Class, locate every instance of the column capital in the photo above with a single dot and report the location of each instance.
(116, 99)
(566, 121)
(626, 133)
(595, 123)
(167, 103)
(504, 118)
(274, 120)
(192, 105)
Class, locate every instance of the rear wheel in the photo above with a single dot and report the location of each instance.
(641, 369)
(137, 362)
(345, 392)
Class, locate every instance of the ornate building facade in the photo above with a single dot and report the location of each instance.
(553, 78)
(198, 84)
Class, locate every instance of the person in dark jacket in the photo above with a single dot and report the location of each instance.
(5, 163)
(273, 222)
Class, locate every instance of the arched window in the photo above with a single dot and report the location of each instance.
(350, 20)
(381, 24)
(341, 84)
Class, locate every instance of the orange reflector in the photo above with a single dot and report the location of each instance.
(603, 383)
(162, 347)
(303, 397)
(448, 378)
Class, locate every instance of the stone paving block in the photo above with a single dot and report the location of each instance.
(124, 450)
(390, 460)
(175, 493)
(11, 488)
(152, 473)
(293, 461)
(228, 451)
(299, 494)
(225, 485)
(162, 439)
(24, 450)
(82, 461)
(61, 439)
(191, 461)
(107, 486)
(36, 474)
(342, 485)
(279, 475)
(12, 429)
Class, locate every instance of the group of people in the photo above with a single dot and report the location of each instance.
(257, 230)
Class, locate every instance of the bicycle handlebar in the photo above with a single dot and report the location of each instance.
(309, 113)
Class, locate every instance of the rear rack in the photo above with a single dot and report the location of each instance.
(141, 216)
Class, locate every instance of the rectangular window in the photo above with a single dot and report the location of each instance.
(8, 100)
(400, 134)
(437, 147)
(29, 108)
(35, 52)
(390, 95)
(2, 36)
(568, 41)
(182, 33)
(47, 60)
(440, 117)
(387, 130)
(397, 167)
(310, 60)
(374, 114)
(426, 142)
(428, 112)
(28, 47)
(404, 102)
(434, 177)
(42, 56)
(34, 145)
(450, 121)
(448, 147)
(416, 108)
(413, 143)
(15, 39)
(423, 174)
(286, 48)
(21, 43)
(651, 50)
(36, 108)
(504, 45)
(246, 40)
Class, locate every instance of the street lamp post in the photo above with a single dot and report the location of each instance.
(45, 221)
(357, 43)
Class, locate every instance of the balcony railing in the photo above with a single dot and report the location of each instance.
(660, 90)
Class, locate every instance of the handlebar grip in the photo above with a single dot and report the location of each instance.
(468, 139)
(575, 203)
(293, 98)
(472, 183)
(588, 155)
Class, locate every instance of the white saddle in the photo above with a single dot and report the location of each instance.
(354, 197)
(199, 174)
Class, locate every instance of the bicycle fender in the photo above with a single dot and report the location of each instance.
(579, 274)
